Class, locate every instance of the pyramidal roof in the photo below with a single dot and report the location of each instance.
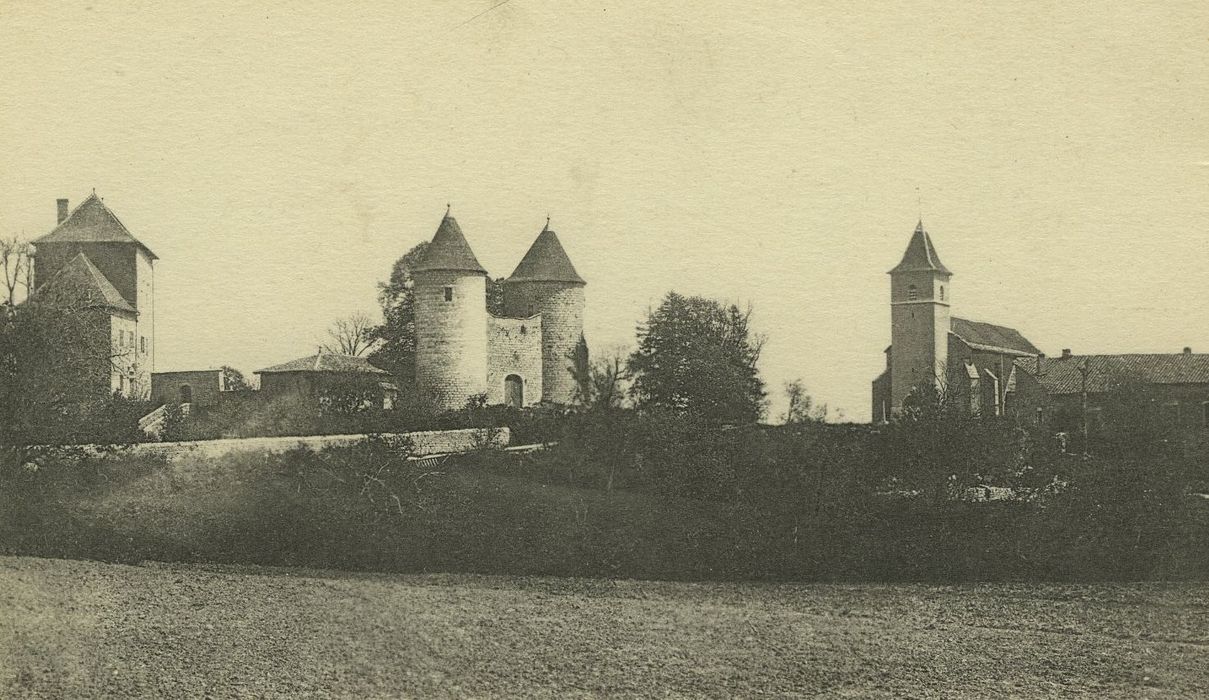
(80, 281)
(449, 250)
(92, 222)
(325, 362)
(921, 254)
(546, 261)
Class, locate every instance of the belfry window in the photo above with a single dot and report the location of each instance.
(942, 292)
(449, 294)
(912, 293)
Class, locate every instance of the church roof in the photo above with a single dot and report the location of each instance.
(992, 338)
(449, 250)
(1061, 375)
(325, 362)
(920, 254)
(546, 261)
(80, 281)
(92, 222)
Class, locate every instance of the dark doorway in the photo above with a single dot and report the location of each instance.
(514, 391)
(186, 393)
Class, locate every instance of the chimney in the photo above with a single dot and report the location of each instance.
(62, 209)
(1187, 351)
(1066, 353)
(1040, 361)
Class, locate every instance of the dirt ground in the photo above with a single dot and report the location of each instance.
(85, 629)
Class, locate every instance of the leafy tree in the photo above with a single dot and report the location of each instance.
(699, 356)
(495, 296)
(235, 380)
(801, 407)
(396, 337)
(56, 359)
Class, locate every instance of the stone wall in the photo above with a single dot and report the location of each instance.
(206, 386)
(514, 347)
(451, 337)
(145, 304)
(423, 443)
(561, 306)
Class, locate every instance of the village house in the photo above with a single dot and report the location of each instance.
(325, 374)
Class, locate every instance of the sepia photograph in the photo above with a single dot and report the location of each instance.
(555, 349)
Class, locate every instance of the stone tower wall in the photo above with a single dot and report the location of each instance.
(514, 346)
(144, 268)
(919, 332)
(451, 337)
(561, 306)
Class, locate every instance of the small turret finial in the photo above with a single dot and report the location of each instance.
(448, 206)
(547, 227)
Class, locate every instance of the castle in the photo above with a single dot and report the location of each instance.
(995, 371)
(91, 257)
(521, 358)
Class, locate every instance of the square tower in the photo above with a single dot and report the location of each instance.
(114, 261)
(920, 321)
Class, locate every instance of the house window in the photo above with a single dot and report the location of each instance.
(449, 294)
(143, 344)
(912, 293)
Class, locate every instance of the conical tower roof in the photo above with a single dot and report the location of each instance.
(449, 250)
(921, 255)
(92, 222)
(546, 261)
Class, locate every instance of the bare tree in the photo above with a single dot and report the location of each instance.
(602, 382)
(16, 261)
(352, 335)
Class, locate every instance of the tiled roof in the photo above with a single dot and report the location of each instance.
(546, 261)
(1061, 375)
(79, 281)
(987, 336)
(92, 222)
(326, 362)
(920, 254)
(449, 250)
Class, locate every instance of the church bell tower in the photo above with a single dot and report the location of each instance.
(920, 295)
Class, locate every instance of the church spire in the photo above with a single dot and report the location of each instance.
(921, 254)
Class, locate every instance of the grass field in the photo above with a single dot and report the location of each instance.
(85, 629)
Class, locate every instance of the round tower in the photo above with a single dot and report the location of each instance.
(451, 320)
(546, 283)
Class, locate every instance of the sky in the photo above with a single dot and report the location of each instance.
(278, 157)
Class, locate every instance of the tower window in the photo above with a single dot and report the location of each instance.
(912, 293)
(449, 294)
(942, 292)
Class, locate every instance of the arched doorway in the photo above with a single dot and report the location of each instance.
(186, 393)
(514, 391)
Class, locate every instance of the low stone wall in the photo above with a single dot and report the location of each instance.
(423, 443)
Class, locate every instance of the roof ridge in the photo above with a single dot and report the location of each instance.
(124, 234)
